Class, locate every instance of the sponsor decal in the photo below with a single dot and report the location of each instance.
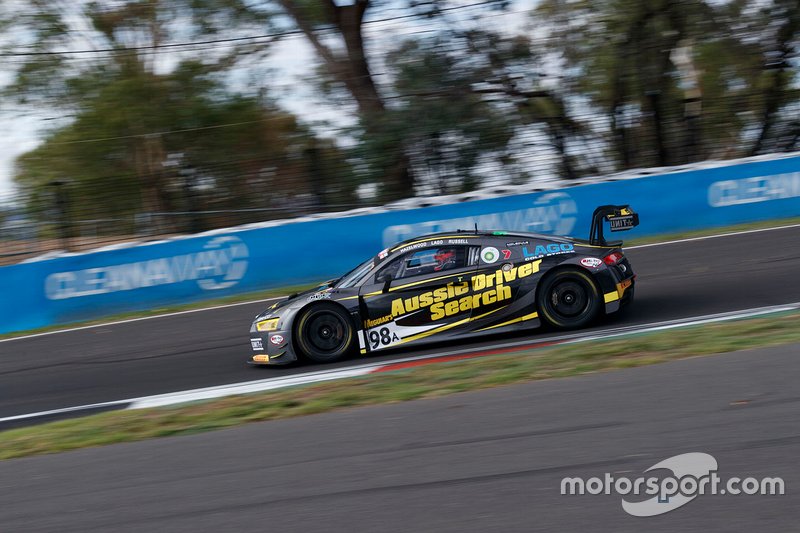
(753, 190)
(383, 253)
(490, 255)
(377, 322)
(591, 262)
(551, 213)
(506, 254)
(517, 243)
(221, 264)
(320, 296)
(256, 344)
(480, 290)
(546, 250)
(276, 339)
(621, 223)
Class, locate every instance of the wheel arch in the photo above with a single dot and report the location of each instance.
(567, 267)
(300, 312)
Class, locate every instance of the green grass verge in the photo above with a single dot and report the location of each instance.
(282, 291)
(403, 385)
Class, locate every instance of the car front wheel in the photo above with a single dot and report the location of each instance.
(324, 333)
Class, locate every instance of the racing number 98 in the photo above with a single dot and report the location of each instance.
(382, 337)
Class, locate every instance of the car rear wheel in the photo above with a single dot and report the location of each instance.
(324, 333)
(568, 299)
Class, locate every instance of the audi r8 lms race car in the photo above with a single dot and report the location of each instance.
(452, 286)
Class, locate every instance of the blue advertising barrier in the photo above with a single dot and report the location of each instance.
(239, 260)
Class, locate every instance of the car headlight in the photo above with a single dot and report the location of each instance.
(267, 325)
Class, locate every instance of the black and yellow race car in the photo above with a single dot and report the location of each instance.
(452, 286)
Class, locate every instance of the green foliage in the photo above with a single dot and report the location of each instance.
(135, 138)
(447, 127)
(636, 84)
(142, 141)
(678, 81)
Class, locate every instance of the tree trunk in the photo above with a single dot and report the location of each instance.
(353, 72)
(779, 74)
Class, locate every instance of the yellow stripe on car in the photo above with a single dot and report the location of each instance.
(513, 321)
(407, 285)
(447, 326)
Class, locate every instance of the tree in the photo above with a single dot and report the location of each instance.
(778, 46)
(164, 143)
(676, 80)
(179, 140)
(347, 63)
(350, 67)
(448, 126)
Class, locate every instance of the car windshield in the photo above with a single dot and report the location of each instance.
(354, 276)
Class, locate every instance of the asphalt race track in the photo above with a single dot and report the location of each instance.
(474, 462)
(208, 348)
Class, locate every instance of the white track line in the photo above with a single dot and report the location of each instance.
(139, 319)
(167, 315)
(705, 237)
(64, 410)
(211, 393)
(249, 387)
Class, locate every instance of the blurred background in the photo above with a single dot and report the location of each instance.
(128, 120)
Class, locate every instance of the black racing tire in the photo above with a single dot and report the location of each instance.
(568, 299)
(324, 333)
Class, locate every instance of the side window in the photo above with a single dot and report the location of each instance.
(388, 271)
(429, 261)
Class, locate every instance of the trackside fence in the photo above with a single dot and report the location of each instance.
(242, 259)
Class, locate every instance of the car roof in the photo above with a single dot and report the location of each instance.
(462, 234)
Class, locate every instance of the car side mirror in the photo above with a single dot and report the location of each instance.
(387, 282)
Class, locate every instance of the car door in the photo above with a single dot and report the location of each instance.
(421, 293)
(507, 274)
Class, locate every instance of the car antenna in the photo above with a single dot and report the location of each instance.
(476, 228)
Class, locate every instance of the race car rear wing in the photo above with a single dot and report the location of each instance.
(619, 217)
